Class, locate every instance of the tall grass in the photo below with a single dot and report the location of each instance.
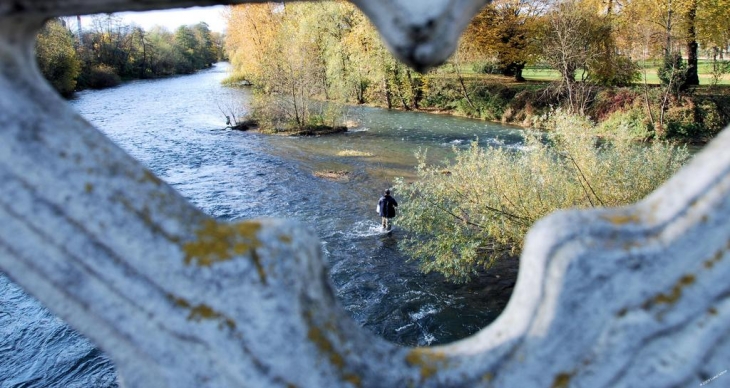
(466, 214)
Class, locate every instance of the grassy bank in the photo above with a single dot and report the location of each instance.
(646, 109)
(649, 69)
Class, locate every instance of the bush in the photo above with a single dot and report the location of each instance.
(56, 57)
(616, 71)
(610, 100)
(712, 120)
(102, 76)
(486, 103)
(489, 67)
(673, 72)
(633, 122)
(467, 214)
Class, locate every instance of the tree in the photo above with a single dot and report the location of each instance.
(691, 77)
(186, 48)
(713, 29)
(56, 57)
(161, 52)
(570, 41)
(505, 29)
(252, 29)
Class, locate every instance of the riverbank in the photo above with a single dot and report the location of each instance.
(648, 112)
(645, 112)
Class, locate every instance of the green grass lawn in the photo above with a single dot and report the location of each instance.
(705, 78)
(541, 73)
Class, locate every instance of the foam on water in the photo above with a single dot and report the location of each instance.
(366, 228)
(423, 313)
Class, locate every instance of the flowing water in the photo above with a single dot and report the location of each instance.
(174, 126)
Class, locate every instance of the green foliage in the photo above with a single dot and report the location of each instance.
(102, 76)
(111, 51)
(194, 48)
(614, 70)
(56, 57)
(712, 119)
(673, 72)
(633, 123)
(693, 119)
(468, 213)
(486, 103)
(487, 67)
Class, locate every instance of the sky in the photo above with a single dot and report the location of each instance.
(174, 18)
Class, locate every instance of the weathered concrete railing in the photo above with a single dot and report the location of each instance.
(631, 297)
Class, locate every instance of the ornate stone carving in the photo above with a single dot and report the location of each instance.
(635, 296)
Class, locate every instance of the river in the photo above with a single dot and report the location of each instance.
(174, 126)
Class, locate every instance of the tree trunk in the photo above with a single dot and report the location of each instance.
(668, 30)
(692, 46)
(388, 95)
(519, 66)
(415, 90)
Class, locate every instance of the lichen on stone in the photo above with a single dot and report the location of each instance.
(218, 242)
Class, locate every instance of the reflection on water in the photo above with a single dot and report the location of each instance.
(174, 126)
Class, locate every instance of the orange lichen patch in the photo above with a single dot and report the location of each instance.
(325, 346)
(673, 296)
(88, 188)
(218, 242)
(203, 312)
(429, 361)
(562, 380)
(622, 219)
(148, 176)
(323, 343)
(712, 311)
(714, 260)
(285, 239)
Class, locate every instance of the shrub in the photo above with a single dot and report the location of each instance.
(610, 100)
(712, 119)
(102, 76)
(488, 67)
(484, 103)
(56, 57)
(673, 72)
(618, 70)
(469, 213)
(632, 122)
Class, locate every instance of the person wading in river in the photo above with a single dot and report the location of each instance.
(386, 208)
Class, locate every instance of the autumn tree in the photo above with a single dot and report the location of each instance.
(252, 30)
(276, 48)
(569, 41)
(56, 57)
(363, 60)
(504, 29)
(713, 29)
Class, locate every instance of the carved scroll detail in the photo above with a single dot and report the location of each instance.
(634, 296)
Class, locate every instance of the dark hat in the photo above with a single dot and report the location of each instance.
(387, 191)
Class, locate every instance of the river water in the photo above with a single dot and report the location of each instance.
(174, 126)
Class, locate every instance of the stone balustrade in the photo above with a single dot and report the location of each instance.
(629, 297)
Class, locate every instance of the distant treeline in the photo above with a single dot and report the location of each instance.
(111, 51)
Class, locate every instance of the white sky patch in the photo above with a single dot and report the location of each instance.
(173, 18)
